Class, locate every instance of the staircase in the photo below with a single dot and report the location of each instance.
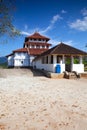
(71, 75)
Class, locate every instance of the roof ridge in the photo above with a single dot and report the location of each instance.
(74, 47)
(55, 47)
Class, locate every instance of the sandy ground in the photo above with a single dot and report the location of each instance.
(30, 101)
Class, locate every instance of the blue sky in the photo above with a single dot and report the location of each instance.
(60, 20)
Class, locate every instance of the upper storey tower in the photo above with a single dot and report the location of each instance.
(37, 40)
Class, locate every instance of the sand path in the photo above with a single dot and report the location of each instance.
(34, 102)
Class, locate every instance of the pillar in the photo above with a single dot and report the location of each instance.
(80, 59)
(63, 59)
(48, 59)
(72, 61)
(54, 59)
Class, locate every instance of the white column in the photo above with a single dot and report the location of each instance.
(48, 59)
(63, 59)
(72, 61)
(80, 59)
(54, 59)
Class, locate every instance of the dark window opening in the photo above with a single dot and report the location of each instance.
(34, 39)
(43, 60)
(43, 46)
(51, 61)
(59, 59)
(47, 59)
(21, 62)
(37, 46)
(39, 39)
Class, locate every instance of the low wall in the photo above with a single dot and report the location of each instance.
(84, 75)
(53, 75)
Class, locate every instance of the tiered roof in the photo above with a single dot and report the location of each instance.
(34, 51)
(36, 35)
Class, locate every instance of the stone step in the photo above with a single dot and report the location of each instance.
(71, 75)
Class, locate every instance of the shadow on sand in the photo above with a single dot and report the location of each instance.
(37, 72)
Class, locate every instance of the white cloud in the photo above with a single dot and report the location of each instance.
(84, 12)
(69, 42)
(56, 42)
(79, 24)
(52, 22)
(54, 19)
(25, 33)
(63, 11)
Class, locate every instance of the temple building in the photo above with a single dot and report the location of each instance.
(33, 46)
(36, 52)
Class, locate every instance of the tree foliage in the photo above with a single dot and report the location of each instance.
(6, 26)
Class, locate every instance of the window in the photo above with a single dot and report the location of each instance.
(32, 46)
(39, 39)
(43, 60)
(21, 62)
(34, 39)
(46, 59)
(47, 46)
(43, 46)
(37, 46)
(59, 59)
(51, 60)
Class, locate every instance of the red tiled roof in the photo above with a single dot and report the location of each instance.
(37, 43)
(31, 51)
(67, 50)
(36, 51)
(21, 50)
(37, 35)
(63, 49)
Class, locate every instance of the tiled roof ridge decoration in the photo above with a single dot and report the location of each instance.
(37, 35)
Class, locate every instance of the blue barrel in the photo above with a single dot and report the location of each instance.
(58, 69)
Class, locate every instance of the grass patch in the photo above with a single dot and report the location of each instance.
(3, 65)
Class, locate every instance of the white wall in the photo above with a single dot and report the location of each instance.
(49, 67)
(21, 55)
(78, 67)
(62, 67)
(31, 59)
(21, 59)
(38, 64)
(11, 60)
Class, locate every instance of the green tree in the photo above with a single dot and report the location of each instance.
(7, 7)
